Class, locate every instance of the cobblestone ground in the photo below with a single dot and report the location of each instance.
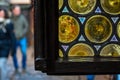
(31, 73)
(37, 75)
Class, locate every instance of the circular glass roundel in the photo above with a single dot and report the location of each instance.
(68, 28)
(60, 3)
(111, 6)
(112, 50)
(82, 6)
(98, 29)
(118, 29)
(60, 53)
(81, 49)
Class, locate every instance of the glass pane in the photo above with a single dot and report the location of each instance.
(98, 29)
(60, 3)
(89, 28)
(111, 6)
(82, 6)
(111, 50)
(81, 49)
(118, 29)
(68, 28)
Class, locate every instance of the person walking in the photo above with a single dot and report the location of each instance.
(20, 29)
(7, 41)
(90, 77)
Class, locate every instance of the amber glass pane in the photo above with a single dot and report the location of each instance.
(111, 50)
(118, 29)
(60, 3)
(82, 6)
(111, 6)
(68, 29)
(81, 49)
(98, 29)
(60, 53)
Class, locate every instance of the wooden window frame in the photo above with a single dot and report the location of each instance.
(46, 46)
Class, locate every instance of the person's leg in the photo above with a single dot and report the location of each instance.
(118, 76)
(23, 47)
(90, 77)
(3, 70)
(15, 61)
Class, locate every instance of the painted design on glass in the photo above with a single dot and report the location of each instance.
(98, 29)
(68, 28)
(60, 3)
(111, 6)
(97, 47)
(81, 38)
(118, 29)
(81, 49)
(82, 6)
(98, 10)
(65, 10)
(111, 50)
(60, 53)
(65, 47)
(114, 38)
(82, 19)
(114, 19)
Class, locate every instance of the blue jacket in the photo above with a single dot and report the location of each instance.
(7, 39)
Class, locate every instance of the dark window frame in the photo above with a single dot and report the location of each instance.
(46, 46)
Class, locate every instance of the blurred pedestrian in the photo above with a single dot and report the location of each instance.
(90, 77)
(20, 29)
(116, 77)
(7, 41)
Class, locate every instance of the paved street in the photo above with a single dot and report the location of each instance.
(37, 75)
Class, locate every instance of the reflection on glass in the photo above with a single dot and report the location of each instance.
(68, 29)
(98, 29)
(112, 50)
(60, 53)
(82, 6)
(60, 3)
(81, 49)
(111, 6)
(118, 29)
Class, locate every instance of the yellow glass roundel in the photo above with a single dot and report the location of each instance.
(111, 50)
(98, 29)
(82, 6)
(60, 3)
(60, 53)
(81, 49)
(118, 29)
(68, 29)
(111, 6)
